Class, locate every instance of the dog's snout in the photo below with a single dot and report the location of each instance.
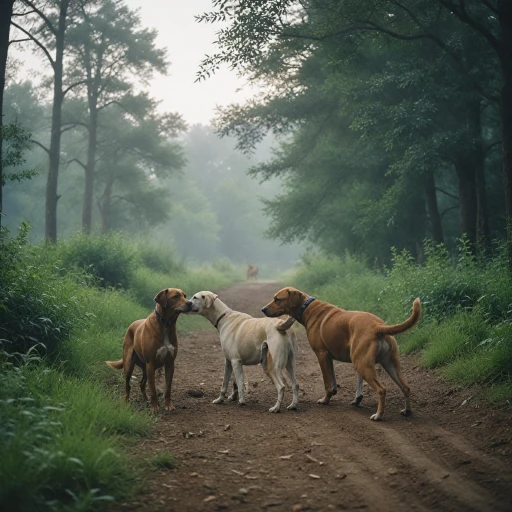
(264, 310)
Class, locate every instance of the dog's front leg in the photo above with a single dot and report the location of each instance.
(228, 370)
(169, 374)
(239, 376)
(152, 386)
(327, 367)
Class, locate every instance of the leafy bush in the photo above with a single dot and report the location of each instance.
(158, 257)
(39, 307)
(111, 257)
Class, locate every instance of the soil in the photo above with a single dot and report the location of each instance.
(453, 454)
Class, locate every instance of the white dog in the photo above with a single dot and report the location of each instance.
(248, 341)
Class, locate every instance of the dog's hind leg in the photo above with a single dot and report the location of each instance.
(234, 394)
(279, 384)
(143, 381)
(370, 376)
(239, 377)
(359, 392)
(392, 366)
(128, 371)
(327, 367)
(228, 370)
(290, 369)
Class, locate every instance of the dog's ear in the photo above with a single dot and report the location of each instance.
(161, 298)
(294, 298)
(210, 299)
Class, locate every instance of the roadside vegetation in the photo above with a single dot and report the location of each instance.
(466, 328)
(63, 312)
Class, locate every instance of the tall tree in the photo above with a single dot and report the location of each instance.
(275, 40)
(6, 8)
(49, 36)
(110, 51)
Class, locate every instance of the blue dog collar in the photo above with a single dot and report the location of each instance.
(304, 306)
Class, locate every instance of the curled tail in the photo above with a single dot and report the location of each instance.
(404, 326)
(118, 365)
(285, 325)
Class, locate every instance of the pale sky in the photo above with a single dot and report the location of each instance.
(187, 42)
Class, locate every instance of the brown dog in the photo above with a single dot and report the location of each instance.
(153, 343)
(349, 336)
(252, 272)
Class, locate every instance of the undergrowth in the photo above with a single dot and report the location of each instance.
(466, 327)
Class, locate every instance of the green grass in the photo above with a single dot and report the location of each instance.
(62, 441)
(63, 425)
(163, 460)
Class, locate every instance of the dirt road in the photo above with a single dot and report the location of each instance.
(453, 454)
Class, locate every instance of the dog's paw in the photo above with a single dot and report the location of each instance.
(292, 407)
(275, 409)
(241, 404)
(406, 412)
(170, 407)
(375, 417)
(218, 401)
(357, 401)
(323, 401)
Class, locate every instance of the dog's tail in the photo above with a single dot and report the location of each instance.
(118, 365)
(265, 357)
(404, 326)
(285, 325)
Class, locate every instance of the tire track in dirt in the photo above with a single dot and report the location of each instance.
(446, 457)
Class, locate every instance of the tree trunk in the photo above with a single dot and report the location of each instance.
(105, 205)
(505, 38)
(5, 22)
(58, 99)
(90, 165)
(467, 197)
(436, 227)
(474, 122)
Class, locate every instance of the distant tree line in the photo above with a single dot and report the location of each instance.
(395, 115)
(100, 60)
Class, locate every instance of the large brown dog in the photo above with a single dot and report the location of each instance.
(153, 343)
(349, 336)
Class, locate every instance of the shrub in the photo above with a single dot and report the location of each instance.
(158, 257)
(59, 442)
(111, 257)
(39, 307)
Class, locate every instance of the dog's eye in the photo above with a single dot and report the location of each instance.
(202, 296)
(177, 296)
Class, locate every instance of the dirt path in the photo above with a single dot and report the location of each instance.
(446, 457)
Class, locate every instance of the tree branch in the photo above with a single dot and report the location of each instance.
(462, 14)
(37, 143)
(447, 193)
(46, 20)
(47, 53)
(72, 86)
(77, 161)
(19, 40)
(73, 124)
